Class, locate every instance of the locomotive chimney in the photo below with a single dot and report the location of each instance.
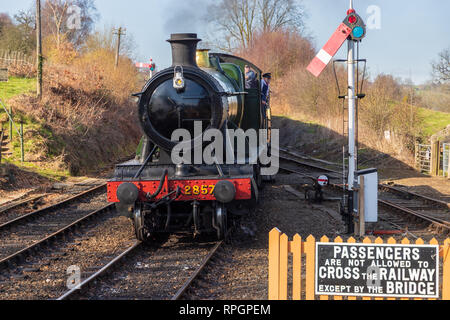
(184, 48)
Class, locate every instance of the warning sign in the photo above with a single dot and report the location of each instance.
(377, 270)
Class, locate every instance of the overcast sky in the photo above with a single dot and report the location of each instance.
(412, 32)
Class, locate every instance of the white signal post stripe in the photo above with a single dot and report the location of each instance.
(324, 56)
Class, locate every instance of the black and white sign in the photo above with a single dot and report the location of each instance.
(377, 270)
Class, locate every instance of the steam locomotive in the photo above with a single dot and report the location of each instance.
(200, 88)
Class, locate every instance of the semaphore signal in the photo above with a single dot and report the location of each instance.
(353, 30)
(352, 27)
(151, 66)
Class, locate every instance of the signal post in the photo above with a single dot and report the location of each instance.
(352, 30)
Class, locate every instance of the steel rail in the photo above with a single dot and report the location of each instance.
(380, 186)
(310, 158)
(5, 262)
(19, 204)
(48, 209)
(431, 219)
(313, 166)
(197, 272)
(428, 218)
(72, 292)
(437, 202)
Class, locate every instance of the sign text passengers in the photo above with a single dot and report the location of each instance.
(377, 270)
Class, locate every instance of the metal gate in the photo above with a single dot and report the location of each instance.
(423, 158)
(446, 157)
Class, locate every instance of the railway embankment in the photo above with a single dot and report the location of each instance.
(318, 141)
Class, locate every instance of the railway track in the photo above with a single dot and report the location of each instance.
(184, 290)
(422, 208)
(86, 245)
(20, 236)
(16, 213)
(71, 293)
(22, 203)
(97, 287)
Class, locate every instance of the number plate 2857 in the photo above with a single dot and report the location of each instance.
(197, 190)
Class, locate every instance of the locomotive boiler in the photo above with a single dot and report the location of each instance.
(200, 92)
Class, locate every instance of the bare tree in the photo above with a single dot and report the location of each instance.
(54, 15)
(57, 15)
(17, 36)
(237, 21)
(441, 68)
(26, 18)
(278, 14)
(5, 20)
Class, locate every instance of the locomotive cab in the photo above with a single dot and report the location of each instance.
(199, 92)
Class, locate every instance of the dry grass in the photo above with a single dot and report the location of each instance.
(298, 94)
(86, 117)
(22, 70)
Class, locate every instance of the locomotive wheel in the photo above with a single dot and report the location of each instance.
(255, 194)
(139, 227)
(221, 221)
(257, 175)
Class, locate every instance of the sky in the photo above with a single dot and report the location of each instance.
(411, 32)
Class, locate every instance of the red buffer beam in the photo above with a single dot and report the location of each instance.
(325, 54)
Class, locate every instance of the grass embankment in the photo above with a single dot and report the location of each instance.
(433, 121)
(84, 122)
(437, 99)
(17, 86)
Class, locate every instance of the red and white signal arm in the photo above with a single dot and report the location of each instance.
(323, 181)
(352, 28)
(142, 65)
(325, 54)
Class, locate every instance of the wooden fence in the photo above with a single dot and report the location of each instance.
(8, 58)
(303, 266)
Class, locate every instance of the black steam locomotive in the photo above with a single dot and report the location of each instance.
(200, 90)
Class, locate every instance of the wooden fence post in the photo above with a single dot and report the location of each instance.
(284, 252)
(435, 158)
(297, 268)
(379, 241)
(351, 240)
(446, 271)
(338, 240)
(367, 241)
(391, 241)
(274, 264)
(419, 242)
(405, 241)
(325, 240)
(310, 251)
(448, 170)
(416, 150)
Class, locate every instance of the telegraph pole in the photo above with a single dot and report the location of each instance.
(39, 60)
(120, 32)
